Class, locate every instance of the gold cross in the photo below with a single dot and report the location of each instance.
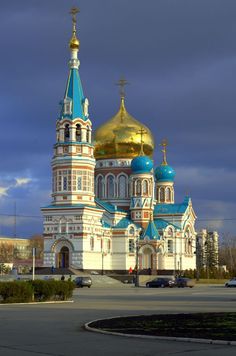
(122, 83)
(74, 11)
(164, 144)
(141, 132)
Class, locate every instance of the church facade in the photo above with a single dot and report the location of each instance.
(111, 209)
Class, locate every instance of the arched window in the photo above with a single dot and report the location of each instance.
(168, 194)
(87, 134)
(67, 133)
(188, 241)
(122, 186)
(110, 187)
(100, 187)
(131, 231)
(78, 133)
(162, 194)
(145, 187)
(138, 187)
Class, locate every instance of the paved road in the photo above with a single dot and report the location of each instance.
(57, 329)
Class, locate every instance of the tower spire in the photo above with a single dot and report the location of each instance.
(164, 144)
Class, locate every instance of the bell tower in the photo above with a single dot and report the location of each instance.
(73, 160)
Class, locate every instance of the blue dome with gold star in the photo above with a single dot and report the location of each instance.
(141, 164)
(164, 173)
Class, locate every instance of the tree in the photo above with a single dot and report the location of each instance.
(227, 253)
(210, 253)
(36, 241)
(4, 269)
(6, 251)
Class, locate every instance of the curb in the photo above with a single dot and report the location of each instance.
(151, 337)
(35, 303)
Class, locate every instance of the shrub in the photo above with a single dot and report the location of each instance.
(15, 292)
(52, 290)
(38, 290)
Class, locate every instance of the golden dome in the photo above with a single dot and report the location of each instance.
(120, 137)
(74, 42)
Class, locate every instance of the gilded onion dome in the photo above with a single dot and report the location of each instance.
(119, 137)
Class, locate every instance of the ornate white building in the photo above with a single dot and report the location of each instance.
(110, 209)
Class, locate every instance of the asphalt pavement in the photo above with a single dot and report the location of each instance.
(57, 329)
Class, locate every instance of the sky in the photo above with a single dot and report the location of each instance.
(179, 57)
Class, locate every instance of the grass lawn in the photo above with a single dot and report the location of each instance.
(215, 326)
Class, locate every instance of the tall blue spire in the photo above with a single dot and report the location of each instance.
(75, 104)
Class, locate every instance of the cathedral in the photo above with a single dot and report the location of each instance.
(112, 209)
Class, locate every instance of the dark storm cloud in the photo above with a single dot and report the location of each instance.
(180, 60)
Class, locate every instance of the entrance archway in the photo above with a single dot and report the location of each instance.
(147, 258)
(63, 257)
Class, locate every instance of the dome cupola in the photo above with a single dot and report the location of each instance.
(164, 173)
(118, 137)
(141, 164)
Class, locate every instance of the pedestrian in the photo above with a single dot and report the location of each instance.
(69, 279)
(62, 277)
(52, 269)
(130, 270)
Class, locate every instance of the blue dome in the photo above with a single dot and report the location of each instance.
(165, 173)
(141, 164)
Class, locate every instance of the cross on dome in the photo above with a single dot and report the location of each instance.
(122, 83)
(164, 144)
(74, 42)
(141, 132)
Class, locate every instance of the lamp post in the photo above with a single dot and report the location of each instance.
(102, 253)
(33, 267)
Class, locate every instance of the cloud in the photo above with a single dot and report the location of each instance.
(22, 181)
(3, 191)
(8, 183)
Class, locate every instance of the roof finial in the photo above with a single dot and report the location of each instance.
(122, 83)
(74, 42)
(141, 132)
(164, 144)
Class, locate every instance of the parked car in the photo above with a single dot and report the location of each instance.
(182, 282)
(161, 282)
(231, 283)
(81, 282)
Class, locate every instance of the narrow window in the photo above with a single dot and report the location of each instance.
(100, 187)
(67, 133)
(64, 183)
(168, 194)
(122, 186)
(87, 134)
(78, 133)
(145, 187)
(138, 187)
(79, 183)
(110, 187)
(162, 194)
